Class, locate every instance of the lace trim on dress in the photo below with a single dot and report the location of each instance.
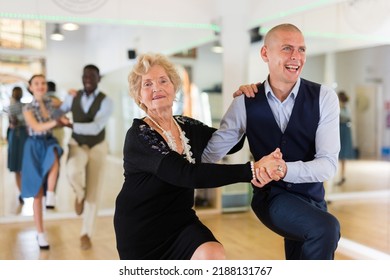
(150, 137)
(172, 143)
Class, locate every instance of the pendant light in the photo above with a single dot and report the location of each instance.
(57, 35)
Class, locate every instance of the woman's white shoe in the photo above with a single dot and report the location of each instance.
(42, 241)
(50, 200)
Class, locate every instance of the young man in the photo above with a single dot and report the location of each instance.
(88, 148)
(302, 119)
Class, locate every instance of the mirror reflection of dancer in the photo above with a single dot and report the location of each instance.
(16, 137)
(346, 149)
(88, 147)
(41, 153)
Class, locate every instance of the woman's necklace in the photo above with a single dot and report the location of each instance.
(171, 141)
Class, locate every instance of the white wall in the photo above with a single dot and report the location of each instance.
(64, 62)
(258, 69)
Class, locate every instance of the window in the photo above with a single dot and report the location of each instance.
(22, 34)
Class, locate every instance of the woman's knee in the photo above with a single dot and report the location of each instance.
(209, 251)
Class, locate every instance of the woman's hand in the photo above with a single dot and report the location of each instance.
(248, 90)
(64, 121)
(262, 177)
(269, 168)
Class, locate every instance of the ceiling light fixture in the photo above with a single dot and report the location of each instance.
(70, 26)
(217, 48)
(57, 35)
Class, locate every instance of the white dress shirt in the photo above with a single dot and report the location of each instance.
(324, 165)
(101, 117)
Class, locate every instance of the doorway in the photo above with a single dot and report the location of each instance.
(368, 121)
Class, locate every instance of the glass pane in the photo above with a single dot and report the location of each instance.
(19, 34)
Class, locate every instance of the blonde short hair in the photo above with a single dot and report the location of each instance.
(143, 65)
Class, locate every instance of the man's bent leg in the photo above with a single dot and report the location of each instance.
(76, 172)
(95, 184)
(309, 231)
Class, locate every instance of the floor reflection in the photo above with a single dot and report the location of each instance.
(11, 209)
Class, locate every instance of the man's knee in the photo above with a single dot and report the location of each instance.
(329, 230)
(333, 229)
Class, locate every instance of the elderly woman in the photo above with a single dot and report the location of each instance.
(154, 216)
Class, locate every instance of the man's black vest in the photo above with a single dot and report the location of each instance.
(80, 117)
(297, 143)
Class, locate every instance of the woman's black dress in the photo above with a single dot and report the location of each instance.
(154, 216)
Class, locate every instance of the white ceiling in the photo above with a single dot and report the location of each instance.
(173, 25)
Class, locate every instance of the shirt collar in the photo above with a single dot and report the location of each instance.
(293, 93)
(94, 94)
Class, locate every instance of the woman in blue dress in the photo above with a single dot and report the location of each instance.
(346, 149)
(41, 153)
(17, 135)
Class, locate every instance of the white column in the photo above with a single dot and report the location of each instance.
(235, 41)
(330, 70)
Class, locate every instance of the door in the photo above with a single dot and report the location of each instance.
(367, 121)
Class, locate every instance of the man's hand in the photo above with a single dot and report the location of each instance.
(268, 168)
(72, 92)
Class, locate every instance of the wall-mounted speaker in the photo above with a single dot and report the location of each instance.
(255, 34)
(131, 54)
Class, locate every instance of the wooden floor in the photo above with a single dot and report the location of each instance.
(362, 206)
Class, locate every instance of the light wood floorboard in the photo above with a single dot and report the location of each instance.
(243, 236)
(362, 206)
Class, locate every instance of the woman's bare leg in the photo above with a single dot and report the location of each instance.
(209, 251)
(53, 174)
(38, 214)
